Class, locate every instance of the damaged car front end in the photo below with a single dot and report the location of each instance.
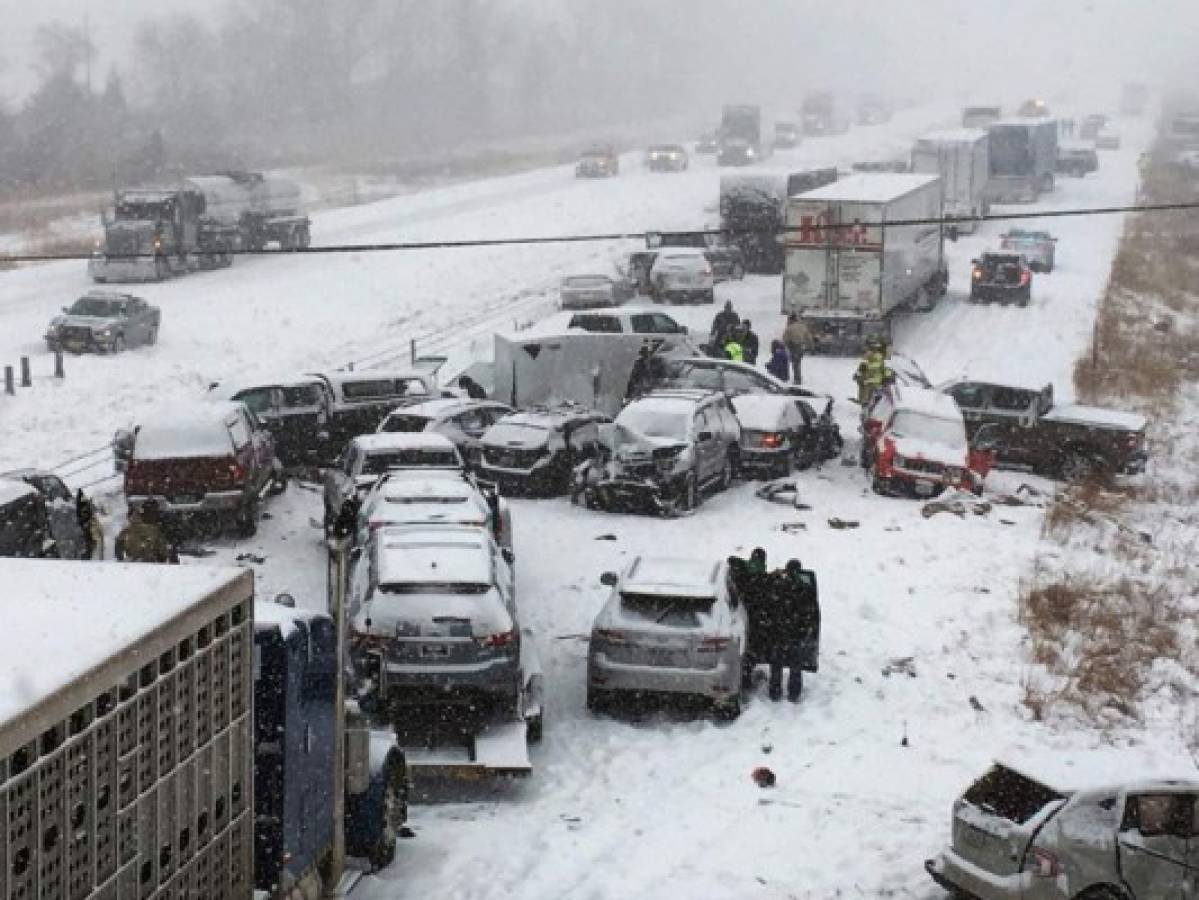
(638, 474)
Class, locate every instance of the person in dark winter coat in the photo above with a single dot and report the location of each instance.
(795, 627)
(751, 582)
(640, 378)
(749, 343)
(779, 364)
(724, 324)
(89, 524)
(142, 540)
(473, 389)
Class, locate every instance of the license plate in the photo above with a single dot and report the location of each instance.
(74, 345)
(435, 650)
(923, 488)
(185, 498)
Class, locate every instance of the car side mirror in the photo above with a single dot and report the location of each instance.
(608, 579)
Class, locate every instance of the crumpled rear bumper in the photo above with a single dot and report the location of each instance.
(628, 495)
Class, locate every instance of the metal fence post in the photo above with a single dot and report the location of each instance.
(26, 377)
(412, 350)
(9, 386)
(58, 369)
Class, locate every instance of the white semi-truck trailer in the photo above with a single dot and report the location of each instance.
(962, 159)
(858, 250)
(1023, 155)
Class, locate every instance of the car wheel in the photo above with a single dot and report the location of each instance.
(729, 710)
(118, 344)
(783, 467)
(246, 523)
(737, 272)
(1077, 465)
(598, 701)
(880, 486)
(535, 728)
(689, 494)
(726, 473)
(394, 813)
(710, 296)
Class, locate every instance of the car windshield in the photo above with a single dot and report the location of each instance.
(98, 306)
(435, 587)
(656, 423)
(378, 463)
(923, 427)
(408, 423)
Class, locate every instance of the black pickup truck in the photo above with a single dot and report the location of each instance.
(1067, 440)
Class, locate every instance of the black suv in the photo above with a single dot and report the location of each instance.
(1005, 277)
(535, 451)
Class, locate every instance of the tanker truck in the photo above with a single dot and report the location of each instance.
(200, 223)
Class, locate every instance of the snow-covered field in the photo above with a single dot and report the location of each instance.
(868, 763)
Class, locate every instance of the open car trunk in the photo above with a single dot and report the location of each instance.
(996, 819)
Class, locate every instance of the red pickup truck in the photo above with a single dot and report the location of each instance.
(215, 462)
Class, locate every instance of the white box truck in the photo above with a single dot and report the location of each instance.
(962, 157)
(860, 248)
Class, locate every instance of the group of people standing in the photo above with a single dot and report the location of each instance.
(783, 609)
(733, 338)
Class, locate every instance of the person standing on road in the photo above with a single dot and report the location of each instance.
(724, 324)
(733, 349)
(142, 540)
(871, 372)
(89, 524)
(750, 580)
(790, 624)
(779, 364)
(749, 343)
(797, 339)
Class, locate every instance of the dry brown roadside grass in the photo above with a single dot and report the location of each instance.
(1099, 624)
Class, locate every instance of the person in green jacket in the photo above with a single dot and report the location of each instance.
(142, 539)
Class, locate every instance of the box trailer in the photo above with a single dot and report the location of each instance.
(962, 158)
(126, 731)
(753, 210)
(860, 248)
(1023, 155)
(592, 370)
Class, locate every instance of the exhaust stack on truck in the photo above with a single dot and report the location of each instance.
(859, 249)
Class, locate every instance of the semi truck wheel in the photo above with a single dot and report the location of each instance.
(393, 815)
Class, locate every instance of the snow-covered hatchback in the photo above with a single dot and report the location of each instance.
(1016, 837)
(671, 626)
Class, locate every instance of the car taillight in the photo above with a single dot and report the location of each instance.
(1024, 277)
(610, 635)
(976, 273)
(714, 644)
(772, 441)
(236, 473)
(500, 639)
(886, 455)
(1044, 864)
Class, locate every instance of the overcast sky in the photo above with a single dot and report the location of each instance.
(947, 46)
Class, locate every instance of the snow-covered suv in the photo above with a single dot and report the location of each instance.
(682, 275)
(670, 626)
(665, 449)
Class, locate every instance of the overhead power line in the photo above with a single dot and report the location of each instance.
(394, 246)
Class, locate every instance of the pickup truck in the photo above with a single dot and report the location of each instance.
(212, 461)
(1066, 439)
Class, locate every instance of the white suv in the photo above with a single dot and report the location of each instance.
(682, 275)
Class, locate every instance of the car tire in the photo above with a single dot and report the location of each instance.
(737, 272)
(1077, 465)
(728, 710)
(395, 812)
(709, 297)
(726, 473)
(689, 493)
(118, 344)
(783, 467)
(246, 521)
(881, 486)
(535, 728)
(598, 701)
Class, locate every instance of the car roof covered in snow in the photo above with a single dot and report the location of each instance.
(954, 136)
(681, 401)
(869, 187)
(423, 554)
(546, 417)
(926, 403)
(226, 390)
(671, 576)
(65, 620)
(418, 484)
(1099, 768)
(982, 374)
(13, 489)
(444, 406)
(392, 441)
(193, 431)
(764, 412)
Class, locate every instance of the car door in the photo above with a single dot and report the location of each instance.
(1155, 833)
(1013, 410)
(708, 448)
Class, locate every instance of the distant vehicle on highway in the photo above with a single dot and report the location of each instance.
(1076, 160)
(666, 158)
(708, 143)
(626, 321)
(682, 275)
(592, 291)
(1035, 108)
(1092, 125)
(736, 152)
(599, 161)
(786, 135)
(1000, 276)
(1107, 139)
(105, 322)
(981, 116)
(1038, 247)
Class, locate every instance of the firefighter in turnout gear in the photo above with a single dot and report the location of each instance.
(871, 372)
